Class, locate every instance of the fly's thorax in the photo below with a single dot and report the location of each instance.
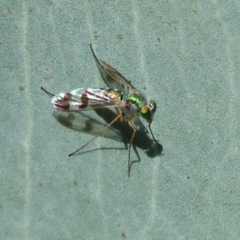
(133, 98)
(147, 111)
(131, 105)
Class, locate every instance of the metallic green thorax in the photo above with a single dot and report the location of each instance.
(136, 99)
(133, 98)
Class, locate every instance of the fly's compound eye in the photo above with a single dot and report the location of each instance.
(147, 111)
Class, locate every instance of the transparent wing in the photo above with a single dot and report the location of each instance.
(86, 99)
(111, 76)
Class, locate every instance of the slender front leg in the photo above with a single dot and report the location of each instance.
(132, 125)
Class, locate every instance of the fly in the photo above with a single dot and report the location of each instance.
(128, 102)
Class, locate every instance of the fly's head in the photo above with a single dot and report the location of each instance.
(147, 111)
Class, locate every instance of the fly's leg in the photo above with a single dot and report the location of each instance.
(119, 113)
(100, 133)
(132, 125)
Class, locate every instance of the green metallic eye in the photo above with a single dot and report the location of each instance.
(147, 111)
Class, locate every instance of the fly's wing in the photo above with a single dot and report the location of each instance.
(111, 76)
(86, 99)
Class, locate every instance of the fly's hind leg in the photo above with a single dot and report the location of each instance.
(119, 116)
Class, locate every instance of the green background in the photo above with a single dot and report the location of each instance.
(183, 54)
